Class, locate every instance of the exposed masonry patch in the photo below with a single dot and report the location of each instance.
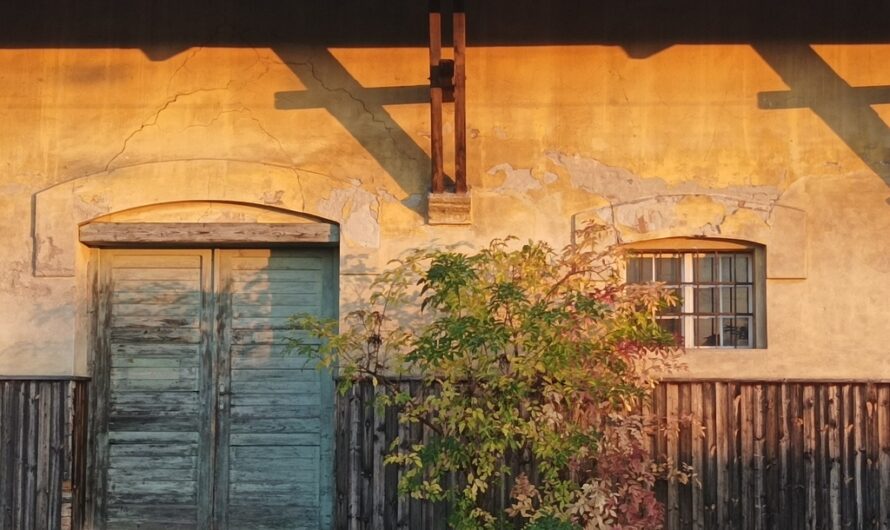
(358, 209)
(619, 185)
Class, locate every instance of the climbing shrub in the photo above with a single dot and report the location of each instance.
(526, 353)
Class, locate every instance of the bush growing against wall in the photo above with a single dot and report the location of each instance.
(526, 352)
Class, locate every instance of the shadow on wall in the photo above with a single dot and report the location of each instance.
(780, 32)
(845, 109)
(360, 110)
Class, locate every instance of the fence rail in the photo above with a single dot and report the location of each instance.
(36, 422)
(778, 456)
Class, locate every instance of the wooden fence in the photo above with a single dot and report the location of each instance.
(36, 426)
(778, 456)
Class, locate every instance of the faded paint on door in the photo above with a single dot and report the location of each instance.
(205, 421)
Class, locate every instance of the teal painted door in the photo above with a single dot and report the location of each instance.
(274, 468)
(205, 421)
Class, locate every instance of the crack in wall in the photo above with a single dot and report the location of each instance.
(241, 108)
(182, 66)
(390, 130)
(153, 119)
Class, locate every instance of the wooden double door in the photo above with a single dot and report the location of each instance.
(204, 420)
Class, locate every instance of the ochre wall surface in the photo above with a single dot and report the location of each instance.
(770, 143)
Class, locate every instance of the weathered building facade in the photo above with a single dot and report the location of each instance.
(177, 179)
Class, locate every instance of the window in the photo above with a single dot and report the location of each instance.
(720, 293)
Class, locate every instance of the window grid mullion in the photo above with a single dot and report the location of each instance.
(687, 277)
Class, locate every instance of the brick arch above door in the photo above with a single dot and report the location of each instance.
(61, 209)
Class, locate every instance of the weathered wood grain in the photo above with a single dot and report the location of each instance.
(33, 461)
(150, 379)
(216, 234)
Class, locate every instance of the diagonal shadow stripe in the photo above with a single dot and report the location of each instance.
(361, 111)
(845, 109)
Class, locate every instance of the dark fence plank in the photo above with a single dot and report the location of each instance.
(782, 456)
(34, 458)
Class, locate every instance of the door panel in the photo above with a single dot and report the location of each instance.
(208, 422)
(274, 434)
(154, 342)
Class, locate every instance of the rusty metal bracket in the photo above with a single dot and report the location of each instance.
(442, 76)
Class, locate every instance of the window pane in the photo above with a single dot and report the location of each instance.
(705, 300)
(736, 332)
(704, 269)
(726, 300)
(635, 270)
(706, 332)
(726, 268)
(735, 300)
(742, 268)
(743, 300)
(647, 269)
(672, 326)
(667, 269)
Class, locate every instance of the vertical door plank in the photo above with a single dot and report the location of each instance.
(883, 442)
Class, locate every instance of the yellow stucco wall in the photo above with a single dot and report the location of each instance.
(688, 141)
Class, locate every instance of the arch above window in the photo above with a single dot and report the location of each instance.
(781, 229)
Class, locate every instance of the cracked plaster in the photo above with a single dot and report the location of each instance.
(62, 208)
(619, 185)
(642, 208)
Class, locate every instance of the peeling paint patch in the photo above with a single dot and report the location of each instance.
(357, 209)
(386, 196)
(620, 185)
(273, 198)
(517, 180)
(672, 215)
(90, 206)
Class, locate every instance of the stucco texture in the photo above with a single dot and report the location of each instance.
(694, 140)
